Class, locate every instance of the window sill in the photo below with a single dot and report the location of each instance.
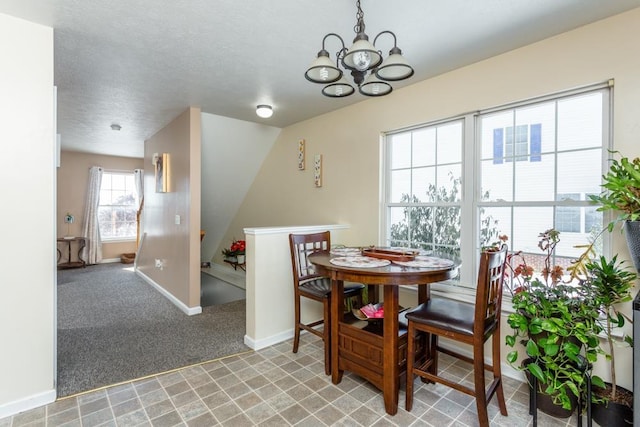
(124, 240)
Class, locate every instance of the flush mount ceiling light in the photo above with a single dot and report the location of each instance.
(361, 58)
(116, 126)
(264, 111)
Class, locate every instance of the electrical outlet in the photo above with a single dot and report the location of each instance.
(177, 219)
(159, 263)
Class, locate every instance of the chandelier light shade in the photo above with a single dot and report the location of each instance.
(322, 70)
(338, 89)
(264, 111)
(369, 70)
(362, 55)
(374, 86)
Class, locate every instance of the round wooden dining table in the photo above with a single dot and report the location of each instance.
(354, 347)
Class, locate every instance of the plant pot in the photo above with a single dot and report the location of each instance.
(632, 235)
(545, 402)
(613, 413)
(240, 259)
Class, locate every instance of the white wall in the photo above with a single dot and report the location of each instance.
(27, 217)
(232, 154)
(270, 296)
(171, 220)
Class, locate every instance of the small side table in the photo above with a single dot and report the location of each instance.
(82, 242)
(236, 264)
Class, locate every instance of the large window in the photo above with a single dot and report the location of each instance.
(519, 170)
(424, 197)
(117, 209)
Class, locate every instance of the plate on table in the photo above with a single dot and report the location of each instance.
(426, 262)
(345, 252)
(359, 262)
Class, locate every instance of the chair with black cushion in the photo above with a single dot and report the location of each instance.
(307, 283)
(466, 323)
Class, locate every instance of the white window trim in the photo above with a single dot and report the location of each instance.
(118, 239)
(471, 164)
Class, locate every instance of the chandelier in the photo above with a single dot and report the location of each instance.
(360, 59)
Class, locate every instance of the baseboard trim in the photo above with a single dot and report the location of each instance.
(110, 260)
(182, 306)
(269, 341)
(27, 403)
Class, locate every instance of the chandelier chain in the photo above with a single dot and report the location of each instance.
(359, 27)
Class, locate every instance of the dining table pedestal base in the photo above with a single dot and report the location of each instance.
(377, 354)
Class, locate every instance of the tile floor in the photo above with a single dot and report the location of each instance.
(273, 387)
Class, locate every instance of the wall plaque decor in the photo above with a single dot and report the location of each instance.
(317, 170)
(301, 154)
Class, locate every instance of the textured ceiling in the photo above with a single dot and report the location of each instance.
(140, 63)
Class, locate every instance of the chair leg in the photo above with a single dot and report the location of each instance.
(479, 385)
(296, 325)
(433, 353)
(408, 402)
(326, 335)
(497, 371)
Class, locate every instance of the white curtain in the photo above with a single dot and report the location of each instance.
(92, 252)
(138, 178)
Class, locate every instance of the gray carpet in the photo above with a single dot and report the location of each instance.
(114, 327)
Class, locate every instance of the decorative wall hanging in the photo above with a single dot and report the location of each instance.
(162, 172)
(317, 170)
(301, 155)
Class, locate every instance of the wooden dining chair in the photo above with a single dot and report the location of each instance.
(462, 322)
(307, 283)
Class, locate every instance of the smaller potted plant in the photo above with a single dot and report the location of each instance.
(621, 193)
(236, 252)
(612, 285)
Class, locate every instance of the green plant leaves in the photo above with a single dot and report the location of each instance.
(532, 349)
(511, 341)
(597, 381)
(535, 370)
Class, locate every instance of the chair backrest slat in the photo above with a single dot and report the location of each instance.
(303, 245)
(489, 290)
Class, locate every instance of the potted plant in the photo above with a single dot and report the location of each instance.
(621, 193)
(557, 324)
(236, 252)
(612, 285)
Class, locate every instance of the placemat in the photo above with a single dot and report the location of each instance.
(346, 252)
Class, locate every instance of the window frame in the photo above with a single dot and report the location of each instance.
(471, 160)
(134, 207)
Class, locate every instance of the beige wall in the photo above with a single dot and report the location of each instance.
(349, 139)
(177, 245)
(27, 217)
(73, 178)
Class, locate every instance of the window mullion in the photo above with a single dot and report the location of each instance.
(470, 192)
